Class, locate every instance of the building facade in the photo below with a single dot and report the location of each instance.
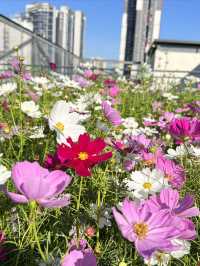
(140, 26)
(175, 59)
(11, 37)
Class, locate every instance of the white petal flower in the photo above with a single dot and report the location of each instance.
(195, 151)
(7, 88)
(65, 122)
(158, 258)
(40, 80)
(180, 151)
(31, 109)
(170, 96)
(146, 182)
(130, 123)
(37, 132)
(184, 248)
(4, 174)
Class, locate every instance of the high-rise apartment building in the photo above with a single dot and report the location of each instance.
(65, 28)
(79, 24)
(140, 26)
(43, 16)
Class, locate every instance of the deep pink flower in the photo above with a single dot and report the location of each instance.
(53, 66)
(172, 171)
(79, 256)
(109, 82)
(83, 155)
(149, 231)
(36, 183)
(5, 106)
(111, 114)
(184, 129)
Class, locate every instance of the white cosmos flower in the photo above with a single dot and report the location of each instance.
(37, 132)
(146, 182)
(4, 174)
(65, 122)
(31, 109)
(180, 151)
(170, 96)
(158, 258)
(184, 248)
(195, 151)
(130, 123)
(40, 80)
(7, 88)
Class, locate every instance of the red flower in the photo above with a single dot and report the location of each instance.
(82, 155)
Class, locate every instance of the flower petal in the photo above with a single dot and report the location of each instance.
(18, 198)
(55, 203)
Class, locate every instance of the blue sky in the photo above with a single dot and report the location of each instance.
(180, 20)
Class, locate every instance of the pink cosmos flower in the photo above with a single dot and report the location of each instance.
(15, 63)
(79, 256)
(6, 74)
(180, 209)
(173, 172)
(36, 183)
(34, 96)
(113, 91)
(156, 106)
(111, 114)
(26, 75)
(149, 231)
(169, 199)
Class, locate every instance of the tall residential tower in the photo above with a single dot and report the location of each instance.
(140, 27)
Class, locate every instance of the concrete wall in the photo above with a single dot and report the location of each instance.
(178, 61)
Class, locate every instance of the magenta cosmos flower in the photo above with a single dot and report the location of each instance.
(79, 256)
(172, 171)
(149, 231)
(36, 183)
(184, 129)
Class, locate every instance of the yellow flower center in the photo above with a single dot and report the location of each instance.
(83, 155)
(60, 126)
(6, 129)
(141, 230)
(153, 149)
(147, 185)
(149, 162)
(159, 257)
(168, 177)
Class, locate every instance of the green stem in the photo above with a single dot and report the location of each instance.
(38, 242)
(79, 195)
(98, 212)
(77, 208)
(33, 206)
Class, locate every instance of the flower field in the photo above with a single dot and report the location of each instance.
(98, 170)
